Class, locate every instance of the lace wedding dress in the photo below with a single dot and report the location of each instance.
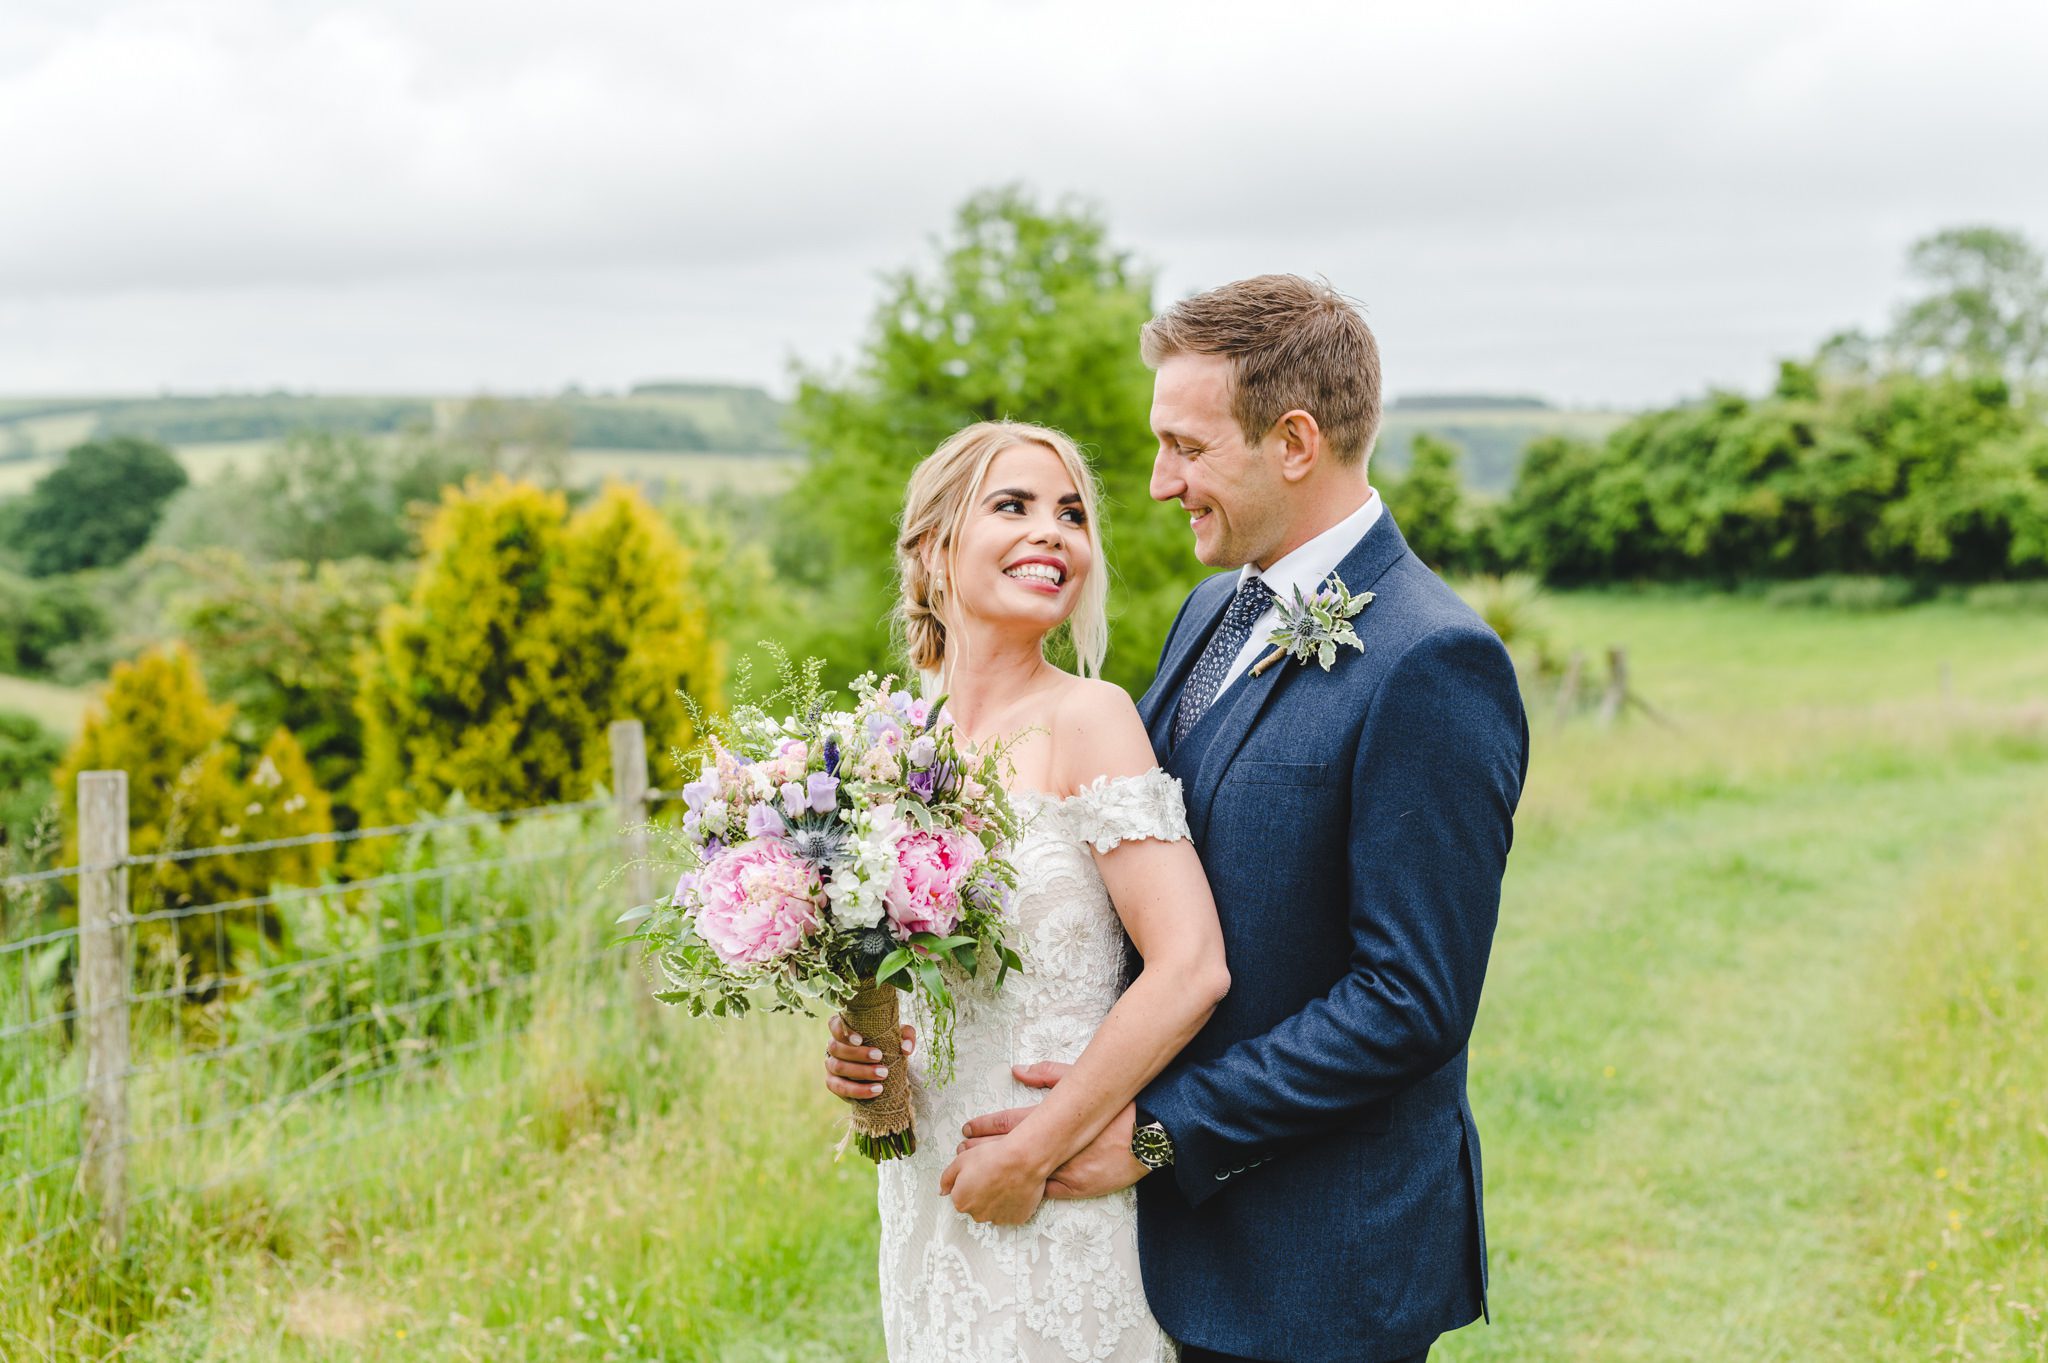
(1064, 1285)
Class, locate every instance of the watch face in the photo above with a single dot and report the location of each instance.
(1152, 1146)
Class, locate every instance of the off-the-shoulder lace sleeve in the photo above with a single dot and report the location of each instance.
(1115, 809)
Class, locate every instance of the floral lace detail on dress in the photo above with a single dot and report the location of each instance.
(1064, 1285)
(1116, 809)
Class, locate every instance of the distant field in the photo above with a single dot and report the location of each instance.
(61, 708)
(688, 473)
(692, 475)
(1492, 438)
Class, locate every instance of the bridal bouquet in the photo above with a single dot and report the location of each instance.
(836, 857)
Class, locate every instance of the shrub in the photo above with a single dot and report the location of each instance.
(189, 786)
(524, 635)
(29, 754)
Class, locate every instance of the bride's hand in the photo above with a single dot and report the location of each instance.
(999, 1181)
(855, 1067)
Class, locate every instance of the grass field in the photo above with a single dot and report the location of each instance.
(1758, 1071)
(61, 708)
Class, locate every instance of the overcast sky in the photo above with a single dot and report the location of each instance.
(1604, 203)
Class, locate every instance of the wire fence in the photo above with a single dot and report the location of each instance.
(152, 1052)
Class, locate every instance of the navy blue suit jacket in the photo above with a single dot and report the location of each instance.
(1324, 1203)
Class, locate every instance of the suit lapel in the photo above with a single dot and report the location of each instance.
(1162, 698)
(1240, 706)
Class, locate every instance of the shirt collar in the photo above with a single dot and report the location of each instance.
(1308, 566)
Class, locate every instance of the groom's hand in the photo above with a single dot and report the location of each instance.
(855, 1066)
(1105, 1165)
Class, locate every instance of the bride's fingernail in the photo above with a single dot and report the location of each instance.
(853, 1040)
(881, 1072)
(876, 1087)
(874, 1055)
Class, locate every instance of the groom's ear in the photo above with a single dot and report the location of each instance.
(1301, 444)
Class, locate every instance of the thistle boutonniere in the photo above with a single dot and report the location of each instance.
(1311, 628)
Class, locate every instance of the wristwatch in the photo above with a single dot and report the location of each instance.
(1150, 1145)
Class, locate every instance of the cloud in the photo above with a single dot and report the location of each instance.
(1609, 200)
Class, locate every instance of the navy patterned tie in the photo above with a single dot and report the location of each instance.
(1206, 681)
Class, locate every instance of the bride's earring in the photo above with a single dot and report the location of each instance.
(938, 584)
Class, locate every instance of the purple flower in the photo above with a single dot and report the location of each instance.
(764, 822)
(685, 883)
(831, 755)
(824, 793)
(880, 727)
(921, 784)
(899, 701)
(712, 847)
(693, 822)
(696, 793)
(793, 796)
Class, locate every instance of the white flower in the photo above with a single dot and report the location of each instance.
(714, 812)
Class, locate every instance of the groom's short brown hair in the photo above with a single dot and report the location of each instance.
(1292, 343)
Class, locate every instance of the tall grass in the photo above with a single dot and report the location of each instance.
(1953, 1130)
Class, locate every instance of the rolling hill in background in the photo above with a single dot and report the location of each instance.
(639, 434)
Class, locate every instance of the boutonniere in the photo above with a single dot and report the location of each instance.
(1311, 628)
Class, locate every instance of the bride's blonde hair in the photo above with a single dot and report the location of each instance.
(942, 489)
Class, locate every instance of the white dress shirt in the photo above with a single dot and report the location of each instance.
(1308, 567)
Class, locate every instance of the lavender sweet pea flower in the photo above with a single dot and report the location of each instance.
(880, 727)
(693, 822)
(764, 822)
(824, 793)
(712, 847)
(922, 751)
(900, 702)
(685, 883)
(696, 793)
(794, 797)
(922, 784)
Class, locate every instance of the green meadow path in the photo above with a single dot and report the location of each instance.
(1665, 1068)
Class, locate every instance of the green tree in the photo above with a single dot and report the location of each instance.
(38, 619)
(279, 642)
(1428, 501)
(1027, 313)
(97, 507)
(1988, 306)
(523, 636)
(319, 497)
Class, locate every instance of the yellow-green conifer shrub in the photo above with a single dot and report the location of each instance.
(187, 789)
(525, 634)
(633, 628)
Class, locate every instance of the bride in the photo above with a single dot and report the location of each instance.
(982, 1259)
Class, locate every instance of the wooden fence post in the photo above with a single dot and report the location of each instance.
(103, 981)
(1617, 697)
(629, 789)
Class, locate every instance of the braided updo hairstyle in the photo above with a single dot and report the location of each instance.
(941, 494)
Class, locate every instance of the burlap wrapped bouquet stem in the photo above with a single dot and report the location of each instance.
(882, 1125)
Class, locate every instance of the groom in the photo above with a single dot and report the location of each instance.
(1308, 1169)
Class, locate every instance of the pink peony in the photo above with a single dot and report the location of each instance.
(757, 902)
(924, 894)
